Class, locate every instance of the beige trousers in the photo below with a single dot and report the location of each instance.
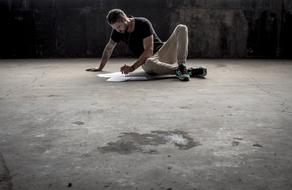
(174, 50)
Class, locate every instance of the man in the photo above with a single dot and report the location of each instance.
(155, 57)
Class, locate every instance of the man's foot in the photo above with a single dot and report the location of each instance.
(182, 73)
(199, 72)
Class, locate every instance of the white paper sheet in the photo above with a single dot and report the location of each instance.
(109, 75)
(139, 76)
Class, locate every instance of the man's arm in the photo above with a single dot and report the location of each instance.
(107, 52)
(148, 52)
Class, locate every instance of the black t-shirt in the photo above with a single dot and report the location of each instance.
(134, 40)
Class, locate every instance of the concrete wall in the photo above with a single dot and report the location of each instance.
(77, 28)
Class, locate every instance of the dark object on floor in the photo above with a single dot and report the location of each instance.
(257, 145)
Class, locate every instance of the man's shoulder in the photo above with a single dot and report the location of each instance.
(141, 20)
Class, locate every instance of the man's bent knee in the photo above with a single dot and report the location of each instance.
(147, 66)
(181, 27)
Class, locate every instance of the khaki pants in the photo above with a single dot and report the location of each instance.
(174, 50)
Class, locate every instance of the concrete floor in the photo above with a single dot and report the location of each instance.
(64, 128)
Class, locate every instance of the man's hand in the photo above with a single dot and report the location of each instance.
(126, 69)
(94, 69)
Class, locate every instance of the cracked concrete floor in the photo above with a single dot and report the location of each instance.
(64, 128)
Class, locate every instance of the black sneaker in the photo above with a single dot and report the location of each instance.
(182, 73)
(199, 72)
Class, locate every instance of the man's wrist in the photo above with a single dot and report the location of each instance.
(133, 67)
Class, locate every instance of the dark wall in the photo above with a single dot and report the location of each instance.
(77, 28)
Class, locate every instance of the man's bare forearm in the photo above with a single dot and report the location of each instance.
(107, 52)
(105, 57)
(141, 60)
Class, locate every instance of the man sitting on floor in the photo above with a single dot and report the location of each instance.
(155, 56)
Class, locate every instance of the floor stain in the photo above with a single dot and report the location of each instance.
(257, 145)
(135, 142)
(78, 123)
(5, 177)
(185, 107)
(235, 143)
(53, 95)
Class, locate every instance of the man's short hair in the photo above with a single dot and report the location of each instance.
(114, 15)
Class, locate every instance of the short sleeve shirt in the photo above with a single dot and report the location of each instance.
(134, 40)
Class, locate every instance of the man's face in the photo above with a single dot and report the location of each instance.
(120, 26)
